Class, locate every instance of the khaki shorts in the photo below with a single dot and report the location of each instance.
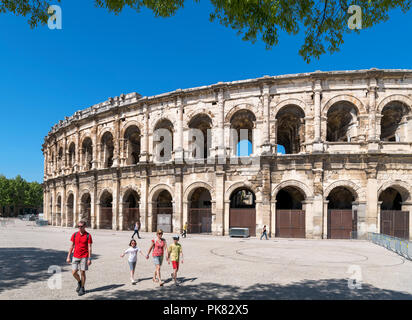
(82, 262)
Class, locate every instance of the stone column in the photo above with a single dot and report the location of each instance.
(318, 213)
(325, 219)
(177, 222)
(54, 205)
(178, 150)
(373, 141)
(144, 205)
(263, 216)
(371, 220)
(116, 202)
(95, 161)
(64, 207)
(378, 209)
(218, 224)
(318, 144)
(226, 218)
(76, 203)
(265, 143)
(65, 155)
(77, 162)
(45, 164)
(95, 203)
(221, 150)
(407, 206)
(272, 230)
(144, 141)
(273, 135)
(116, 142)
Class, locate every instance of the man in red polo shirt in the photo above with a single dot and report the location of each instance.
(82, 245)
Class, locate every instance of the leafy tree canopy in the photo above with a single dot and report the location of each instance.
(19, 192)
(323, 22)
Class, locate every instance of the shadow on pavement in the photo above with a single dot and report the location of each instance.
(21, 266)
(326, 289)
(106, 288)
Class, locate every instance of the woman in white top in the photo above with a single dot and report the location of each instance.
(132, 251)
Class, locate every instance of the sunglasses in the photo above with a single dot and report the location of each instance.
(80, 226)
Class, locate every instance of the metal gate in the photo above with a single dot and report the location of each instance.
(341, 224)
(200, 220)
(395, 223)
(130, 217)
(106, 215)
(243, 218)
(163, 219)
(290, 223)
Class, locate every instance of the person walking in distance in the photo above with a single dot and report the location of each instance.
(158, 245)
(175, 251)
(184, 233)
(136, 230)
(264, 233)
(82, 252)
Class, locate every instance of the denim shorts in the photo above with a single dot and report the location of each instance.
(158, 260)
(132, 265)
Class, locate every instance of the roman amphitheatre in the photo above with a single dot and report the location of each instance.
(344, 169)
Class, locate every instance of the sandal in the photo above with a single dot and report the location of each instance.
(155, 280)
(161, 283)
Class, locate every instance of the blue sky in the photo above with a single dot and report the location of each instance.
(49, 74)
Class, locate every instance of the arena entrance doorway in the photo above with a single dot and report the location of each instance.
(290, 217)
(242, 213)
(342, 219)
(162, 219)
(394, 222)
(200, 212)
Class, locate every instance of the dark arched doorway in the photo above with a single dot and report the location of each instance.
(290, 216)
(106, 210)
(200, 211)
(393, 222)
(163, 212)
(131, 213)
(242, 213)
(342, 218)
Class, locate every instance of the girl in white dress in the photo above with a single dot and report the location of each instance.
(132, 251)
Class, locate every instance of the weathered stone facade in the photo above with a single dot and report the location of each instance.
(348, 130)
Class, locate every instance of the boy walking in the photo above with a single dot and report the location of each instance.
(264, 233)
(82, 245)
(174, 253)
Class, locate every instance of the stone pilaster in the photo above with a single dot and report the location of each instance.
(218, 223)
(265, 142)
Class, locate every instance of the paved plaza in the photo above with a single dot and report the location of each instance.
(214, 267)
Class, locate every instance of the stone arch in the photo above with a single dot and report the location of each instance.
(129, 124)
(357, 191)
(199, 112)
(284, 103)
(395, 97)
(158, 121)
(302, 187)
(242, 106)
(195, 185)
(155, 191)
(341, 98)
(401, 186)
(102, 133)
(125, 190)
(101, 192)
(243, 184)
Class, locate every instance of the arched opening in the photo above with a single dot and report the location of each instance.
(290, 213)
(87, 153)
(342, 217)
(132, 145)
(200, 211)
(393, 122)
(106, 210)
(242, 124)
(163, 140)
(69, 210)
(393, 222)
(131, 213)
(342, 122)
(290, 128)
(85, 209)
(72, 155)
(163, 212)
(107, 150)
(200, 145)
(59, 211)
(242, 213)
